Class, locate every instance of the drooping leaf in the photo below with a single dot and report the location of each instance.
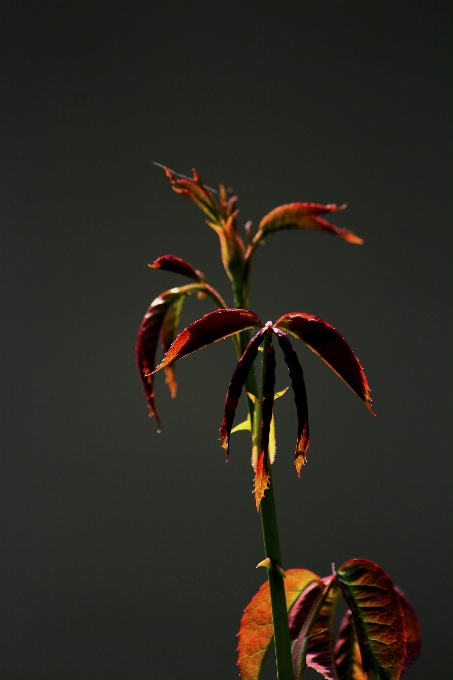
(296, 375)
(261, 481)
(146, 345)
(331, 347)
(210, 328)
(312, 624)
(347, 653)
(378, 618)
(237, 383)
(256, 632)
(412, 631)
(171, 263)
(168, 333)
(304, 216)
(197, 192)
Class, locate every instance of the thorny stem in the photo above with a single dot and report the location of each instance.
(268, 511)
(272, 550)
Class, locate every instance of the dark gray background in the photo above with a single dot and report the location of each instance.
(127, 554)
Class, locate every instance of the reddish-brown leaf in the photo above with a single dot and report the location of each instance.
(210, 328)
(171, 263)
(304, 216)
(313, 615)
(328, 344)
(378, 618)
(347, 653)
(256, 631)
(146, 345)
(234, 390)
(296, 375)
(413, 633)
(197, 192)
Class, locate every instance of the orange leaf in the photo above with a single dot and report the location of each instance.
(261, 481)
(197, 192)
(304, 216)
(256, 631)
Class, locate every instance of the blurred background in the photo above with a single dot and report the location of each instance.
(128, 554)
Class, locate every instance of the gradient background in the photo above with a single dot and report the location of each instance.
(126, 554)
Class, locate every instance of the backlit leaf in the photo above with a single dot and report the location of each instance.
(296, 375)
(313, 615)
(328, 344)
(304, 216)
(197, 192)
(412, 630)
(261, 480)
(171, 263)
(240, 375)
(256, 632)
(146, 345)
(378, 618)
(347, 653)
(210, 328)
(168, 334)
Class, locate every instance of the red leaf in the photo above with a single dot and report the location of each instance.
(296, 375)
(311, 624)
(171, 263)
(256, 632)
(146, 345)
(328, 344)
(378, 618)
(347, 653)
(197, 192)
(413, 633)
(304, 216)
(210, 328)
(240, 375)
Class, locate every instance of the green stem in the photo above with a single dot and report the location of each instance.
(272, 551)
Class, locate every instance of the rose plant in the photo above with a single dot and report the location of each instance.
(379, 636)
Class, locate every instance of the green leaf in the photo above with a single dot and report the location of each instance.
(245, 425)
(378, 618)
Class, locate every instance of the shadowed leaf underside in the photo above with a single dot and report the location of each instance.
(296, 375)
